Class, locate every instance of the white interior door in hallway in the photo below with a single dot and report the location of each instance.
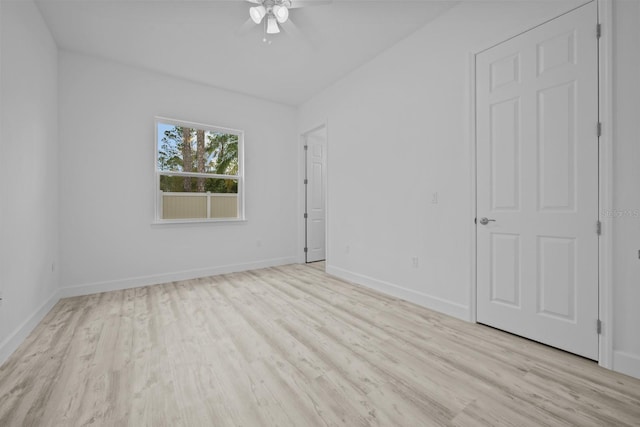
(315, 143)
(537, 183)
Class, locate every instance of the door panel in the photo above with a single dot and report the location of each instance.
(556, 277)
(505, 271)
(505, 155)
(505, 71)
(537, 177)
(556, 147)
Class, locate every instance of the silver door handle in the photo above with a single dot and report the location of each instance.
(485, 220)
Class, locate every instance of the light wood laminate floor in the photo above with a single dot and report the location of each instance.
(292, 346)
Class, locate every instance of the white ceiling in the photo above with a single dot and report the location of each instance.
(203, 41)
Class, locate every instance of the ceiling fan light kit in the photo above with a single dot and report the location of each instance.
(257, 13)
(272, 25)
(275, 11)
(281, 13)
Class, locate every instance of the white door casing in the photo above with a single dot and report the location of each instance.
(537, 177)
(315, 176)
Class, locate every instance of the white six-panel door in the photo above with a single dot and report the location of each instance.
(316, 161)
(537, 183)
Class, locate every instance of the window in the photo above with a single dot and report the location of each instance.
(199, 172)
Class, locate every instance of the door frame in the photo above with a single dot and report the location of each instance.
(302, 196)
(605, 179)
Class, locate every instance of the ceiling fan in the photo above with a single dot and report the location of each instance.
(274, 12)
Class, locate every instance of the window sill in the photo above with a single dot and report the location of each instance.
(199, 221)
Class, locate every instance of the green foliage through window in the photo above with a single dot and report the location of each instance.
(182, 149)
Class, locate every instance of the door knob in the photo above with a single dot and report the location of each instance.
(485, 221)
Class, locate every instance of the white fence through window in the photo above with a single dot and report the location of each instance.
(198, 205)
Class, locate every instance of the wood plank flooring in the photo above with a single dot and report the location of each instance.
(292, 346)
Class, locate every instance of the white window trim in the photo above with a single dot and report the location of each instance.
(156, 174)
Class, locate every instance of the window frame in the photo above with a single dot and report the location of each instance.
(157, 173)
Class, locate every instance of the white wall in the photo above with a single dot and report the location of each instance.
(626, 195)
(107, 179)
(28, 172)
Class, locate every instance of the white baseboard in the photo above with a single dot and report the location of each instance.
(17, 337)
(626, 363)
(434, 303)
(137, 282)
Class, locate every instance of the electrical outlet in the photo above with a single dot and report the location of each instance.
(347, 249)
(259, 243)
(434, 198)
(414, 262)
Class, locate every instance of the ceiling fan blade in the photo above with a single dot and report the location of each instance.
(296, 4)
(254, 1)
(246, 27)
(292, 29)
